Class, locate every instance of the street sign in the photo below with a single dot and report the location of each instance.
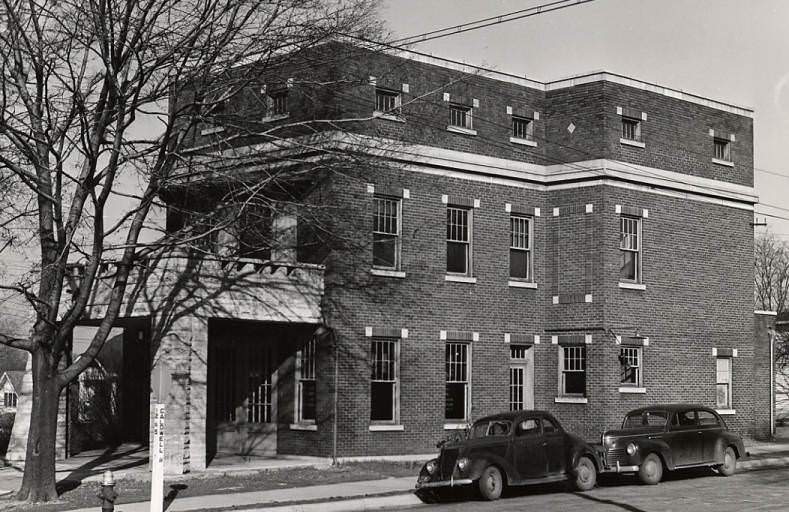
(157, 459)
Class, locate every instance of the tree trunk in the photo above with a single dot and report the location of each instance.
(38, 483)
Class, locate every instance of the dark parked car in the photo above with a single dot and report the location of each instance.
(671, 437)
(514, 448)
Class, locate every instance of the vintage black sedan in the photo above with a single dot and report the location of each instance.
(669, 437)
(514, 448)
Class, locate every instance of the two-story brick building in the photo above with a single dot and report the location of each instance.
(582, 246)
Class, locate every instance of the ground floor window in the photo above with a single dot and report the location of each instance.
(384, 380)
(457, 381)
(305, 383)
(9, 399)
(630, 366)
(572, 368)
(723, 383)
(518, 375)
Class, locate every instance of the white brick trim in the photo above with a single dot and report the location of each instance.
(405, 88)
(536, 212)
(588, 297)
(386, 428)
(444, 198)
(536, 339)
(446, 96)
(370, 188)
(442, 335)
(368, 332)
(506, 337)
(588, 339)
(404, 333)
(571, 400)
(406, 193)
(509, 110)
(554, 340)
(507, 207)
(556, 212)
(632, 390)
(764, 312)
(590, 208)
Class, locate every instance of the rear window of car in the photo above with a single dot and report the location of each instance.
(646, 419)
(491, 428)
(707, 419)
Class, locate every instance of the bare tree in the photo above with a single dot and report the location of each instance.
(771, 273)
(78, 80)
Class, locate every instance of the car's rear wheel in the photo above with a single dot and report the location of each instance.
(585, 474)
(490, 483)
(729, 465)
(651, 470)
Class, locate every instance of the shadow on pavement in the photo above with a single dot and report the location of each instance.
(623, 506)
(111, 458)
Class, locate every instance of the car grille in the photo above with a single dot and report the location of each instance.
(614, 455)
(446, 463)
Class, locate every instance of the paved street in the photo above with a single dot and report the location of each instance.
(697, 491)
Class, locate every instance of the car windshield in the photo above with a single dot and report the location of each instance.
(645, 419)
(491, 428)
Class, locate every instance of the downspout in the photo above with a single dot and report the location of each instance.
(336, 399)
(771, 333)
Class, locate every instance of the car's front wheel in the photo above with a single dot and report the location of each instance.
(651, 470)
(491, 483)
(585, 474)
(729, 465)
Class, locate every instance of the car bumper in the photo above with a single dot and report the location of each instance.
(618, 468)
(455, 482)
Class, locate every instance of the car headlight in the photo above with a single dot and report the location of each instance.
(462, 463)
(632, 449)
(431, 466)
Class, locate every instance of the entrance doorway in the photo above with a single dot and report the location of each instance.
(521, 377)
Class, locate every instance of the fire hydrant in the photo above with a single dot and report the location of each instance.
(108, 494)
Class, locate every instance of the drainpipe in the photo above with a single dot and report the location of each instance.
(336, 399)
(771, 333)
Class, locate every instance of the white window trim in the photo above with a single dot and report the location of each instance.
(459, 278)
(632, 286)
(567, 398)
(274, 117)
(459, 129)
(463, 423)
(515, 283)
(640, 382)
(468, 276)
(523, 142)
(455, 426)
(383, 272)
(312, 427)
(727, 163)
(731, 379)
(389, 117)
(640, 252)
(297, 405)
(386, 427)
(390, 271)
(571, 400)
(529, 251)
(726, 412)
(632, 390)
(634, 143)
(395, 421)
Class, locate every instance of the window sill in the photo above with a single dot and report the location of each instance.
(212, 130)
(389, 117)
(633, 286)
(460, 129)
(455, 426)
(521, 284)
(523, 142)
(387, 273)
(275, 117)
(634, 143)
(632, 389)
(726, 163)
(386, 428)
(570, 400)
(726, 412)
(304, 426)
(460, 279)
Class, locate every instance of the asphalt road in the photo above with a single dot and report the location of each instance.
(692, 490)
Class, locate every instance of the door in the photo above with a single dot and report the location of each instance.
(553, 440)
(685, 438)
(711, 432)
(521, 377)
(529, 450)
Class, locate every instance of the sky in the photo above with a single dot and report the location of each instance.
(728, 50)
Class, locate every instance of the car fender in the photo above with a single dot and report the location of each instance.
(655, 445)
(478, 465)
(579, 452)
(725, 440)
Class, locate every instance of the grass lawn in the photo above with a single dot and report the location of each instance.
(80, 495)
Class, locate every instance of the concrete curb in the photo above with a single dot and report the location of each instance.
(351, 505)
(749, 465)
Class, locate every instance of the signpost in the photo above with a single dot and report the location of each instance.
(157, 459)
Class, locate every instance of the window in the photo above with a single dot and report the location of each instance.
(684, 420)
(548, 426)
(458, 241)
(630, 366)
(9, 399)
(707, 419)
(529, 427)
(305, 384)
(278, 103)
(460, 116)
(518, 368)
(573, 371)
(722, 148)
(384, 380)
(386, 232)
(631, 129)
(387, 102)
(522, 128)
(520, 247)
(457, 380)
(723, 383)
(630, 248)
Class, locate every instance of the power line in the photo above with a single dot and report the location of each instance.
(487, 22)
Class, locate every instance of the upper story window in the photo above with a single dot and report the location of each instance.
(460, 116)
(387, 212)
(630, 249)
(459, 240)
(387, 102)
(278, 103)
(520, 247)
(522, 128)
(631, 129)
(722, 149)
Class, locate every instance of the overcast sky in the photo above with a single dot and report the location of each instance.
(729, 50)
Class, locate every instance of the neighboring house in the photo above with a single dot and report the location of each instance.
(10, 386)
(583, 246)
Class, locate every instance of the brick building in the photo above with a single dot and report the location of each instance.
(583, 246)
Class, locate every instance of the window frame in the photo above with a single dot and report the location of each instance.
(275, 99)
(639, 351)
(396, 111)
(729, 384)
(395, 381)
(563, 370)
(466, 382)
(518, 361)
(525, 134)
(726, 151)
(527, 250)
(397, 236)
(469, 243)
(310, 346)
(467, 113)
(638, 254)
(635, 123)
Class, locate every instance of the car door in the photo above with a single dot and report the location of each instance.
(529, 450)
(685, 438)
(553, 440)
(710, 433)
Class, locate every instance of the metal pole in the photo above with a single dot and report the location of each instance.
(771, 333)
(336, 397)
